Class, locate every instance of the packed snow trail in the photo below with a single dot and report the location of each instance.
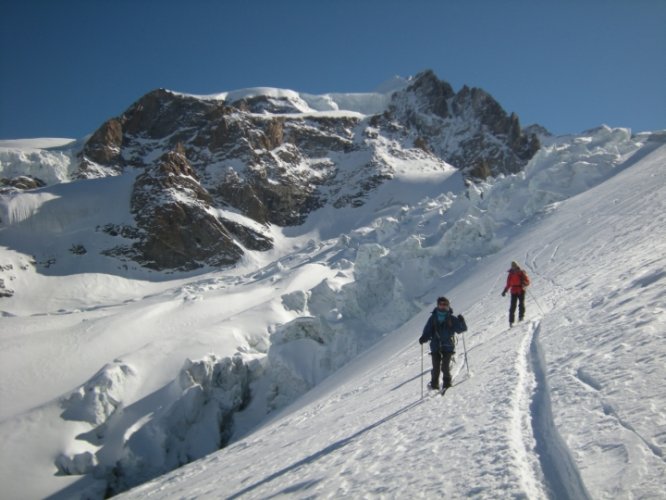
(560, 472)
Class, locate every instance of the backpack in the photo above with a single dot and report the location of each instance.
(524, 279)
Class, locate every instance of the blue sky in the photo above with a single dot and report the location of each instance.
(67, 66)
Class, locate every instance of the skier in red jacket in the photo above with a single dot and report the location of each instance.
(516, 282)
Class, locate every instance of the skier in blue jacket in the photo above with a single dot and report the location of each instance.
(440, 330)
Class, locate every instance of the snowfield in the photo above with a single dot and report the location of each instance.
(305, 359)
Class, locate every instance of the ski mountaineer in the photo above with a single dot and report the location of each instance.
(439, 330)
(516, 282)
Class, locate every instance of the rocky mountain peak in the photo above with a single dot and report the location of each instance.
(160, 113)
(267, 155)
(427, 94)
(468, 129)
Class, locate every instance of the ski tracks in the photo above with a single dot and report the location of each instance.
(521, 434)
(545, 465)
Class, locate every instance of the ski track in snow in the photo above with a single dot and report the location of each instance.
(521, 427)
(560, 472)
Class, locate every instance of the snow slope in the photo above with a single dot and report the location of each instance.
(567, 405)
(102, 372)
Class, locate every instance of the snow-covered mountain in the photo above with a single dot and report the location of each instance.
(205, 175)
(301, 361)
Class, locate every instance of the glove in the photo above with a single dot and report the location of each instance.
(504, 293)
(422, 340)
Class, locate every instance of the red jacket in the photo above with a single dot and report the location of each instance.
(516, 281)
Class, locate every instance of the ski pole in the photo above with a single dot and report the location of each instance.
(537, 303)
(421, 371)
(465, 350)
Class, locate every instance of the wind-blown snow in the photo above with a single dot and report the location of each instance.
(311, 349)
(368, 103)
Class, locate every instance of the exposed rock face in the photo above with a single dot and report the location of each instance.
(274, 160)
(177, 230)
(4, 291)
(22, 182)
(469, 130)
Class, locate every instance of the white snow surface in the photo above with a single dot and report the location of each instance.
(364, 103)
(50, 159)
(131, 373)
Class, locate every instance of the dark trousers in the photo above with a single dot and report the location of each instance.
(518, 298)
(441, 360)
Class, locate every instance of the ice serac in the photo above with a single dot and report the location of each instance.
(273, 156)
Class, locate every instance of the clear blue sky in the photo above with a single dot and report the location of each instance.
(67, 66)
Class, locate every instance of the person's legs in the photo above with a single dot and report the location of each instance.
(521, 306)
(434, 374)
(512, 309)
(446, 368)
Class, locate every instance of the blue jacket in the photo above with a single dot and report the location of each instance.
(440, 334)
